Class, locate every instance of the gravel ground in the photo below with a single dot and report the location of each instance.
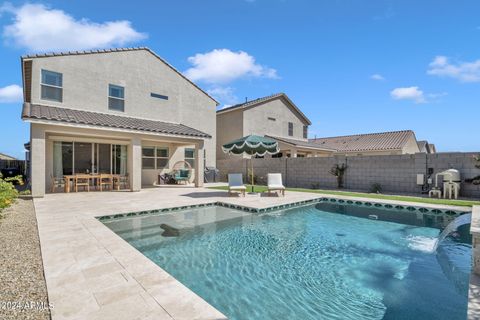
(23, 294)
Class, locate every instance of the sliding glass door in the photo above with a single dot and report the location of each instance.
(85, 157)
(104, 158)
(62, 158)
(119, 159)
(82, 157)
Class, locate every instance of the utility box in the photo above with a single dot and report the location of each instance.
(420, 179)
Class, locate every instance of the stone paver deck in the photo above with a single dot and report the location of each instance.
(91, 273)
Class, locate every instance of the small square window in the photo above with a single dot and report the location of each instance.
(162, 152)
(52, 78)
(148, 163)
(116, 91)
(148, 152)
(162, 163)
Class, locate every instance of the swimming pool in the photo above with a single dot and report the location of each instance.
(321, 261)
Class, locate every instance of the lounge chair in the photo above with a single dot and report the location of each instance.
(235, 183)
(275, 183)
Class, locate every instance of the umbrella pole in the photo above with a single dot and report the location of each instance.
(251, 163)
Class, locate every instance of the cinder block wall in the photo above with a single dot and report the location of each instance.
(395, 173)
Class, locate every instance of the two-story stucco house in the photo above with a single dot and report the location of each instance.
(119, 111)
(274, 116)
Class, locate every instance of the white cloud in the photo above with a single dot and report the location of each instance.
(377, 77)
(408, 93)
(225, 95)
(463, 71)
(39, 28)
(11, 94)
(222, 66)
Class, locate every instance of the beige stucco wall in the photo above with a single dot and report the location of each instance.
(229, 128)
(255, 120)
(85, 87)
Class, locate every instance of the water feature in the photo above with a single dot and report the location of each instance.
(452, 227)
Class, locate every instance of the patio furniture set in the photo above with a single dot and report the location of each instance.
(86, 181)
(235, 183)
(181, 174)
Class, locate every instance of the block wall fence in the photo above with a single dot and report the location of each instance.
(395, 173)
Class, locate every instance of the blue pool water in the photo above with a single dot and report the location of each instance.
(313, 262)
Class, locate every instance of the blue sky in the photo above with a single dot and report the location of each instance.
(351, 66)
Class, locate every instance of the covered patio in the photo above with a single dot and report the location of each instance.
(94, 153)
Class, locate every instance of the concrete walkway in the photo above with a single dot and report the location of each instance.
(91, 273)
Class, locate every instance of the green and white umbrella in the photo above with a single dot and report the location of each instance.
(252, 145)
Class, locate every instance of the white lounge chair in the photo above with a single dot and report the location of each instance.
(275, 183)
(235, 183)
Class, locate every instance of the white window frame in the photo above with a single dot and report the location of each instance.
(159, 157)
(50, 85)
(155, 157)
(193, 158)
(116, 98)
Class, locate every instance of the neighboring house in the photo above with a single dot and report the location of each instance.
(383, 143)
(275, 116)
(4, 156)
(121, 111)
(426, 147)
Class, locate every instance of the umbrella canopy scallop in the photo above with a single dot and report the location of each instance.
(252, 145)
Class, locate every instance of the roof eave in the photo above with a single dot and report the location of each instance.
(89, 126)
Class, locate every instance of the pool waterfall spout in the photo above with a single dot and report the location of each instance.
(453, 226)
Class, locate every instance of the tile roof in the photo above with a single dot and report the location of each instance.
(64, 115)
(300, 143)
(85, 52)
(4, 156)
(366, 142)
(255, 102)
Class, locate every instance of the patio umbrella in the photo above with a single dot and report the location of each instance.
(251, 145)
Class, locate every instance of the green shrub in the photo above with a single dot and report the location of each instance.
(376, 188)
(338, 171)
(8, 192)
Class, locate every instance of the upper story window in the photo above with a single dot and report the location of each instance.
(272, 119)
(52, 86)
(290, 129)
(116, 98)
(305, 132)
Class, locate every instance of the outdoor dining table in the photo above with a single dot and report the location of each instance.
(91, 176)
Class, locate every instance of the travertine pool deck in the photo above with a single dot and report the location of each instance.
(91, 273)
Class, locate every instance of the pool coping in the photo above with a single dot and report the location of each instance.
(451, 211)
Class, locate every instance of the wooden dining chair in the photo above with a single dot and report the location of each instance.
(82, 181)
(56, 183)
(123, 181)
(106, 180)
